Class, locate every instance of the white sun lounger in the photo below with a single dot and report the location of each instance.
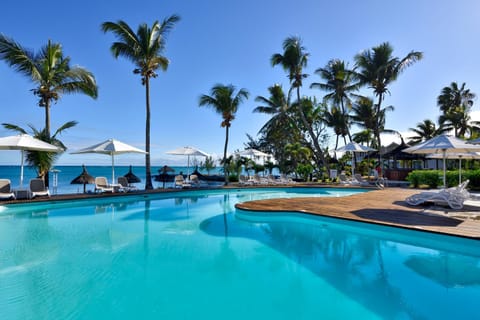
(454, 197)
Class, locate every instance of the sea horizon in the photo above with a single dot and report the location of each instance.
(66, 173)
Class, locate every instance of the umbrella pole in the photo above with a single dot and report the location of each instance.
(459, 170)
(113, 168)
(353, 163)
(21, 169)
(444, 169)
(188, 166)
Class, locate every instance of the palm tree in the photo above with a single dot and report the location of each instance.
(281, 128)
(50, 71)
(426, 130)
(225, 102)
(338, 83)
(377, 68)
(293, 60)
(144, 49)
(339, 121)
(455, 103)
(42, 160)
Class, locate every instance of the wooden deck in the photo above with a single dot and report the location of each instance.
(386, 207)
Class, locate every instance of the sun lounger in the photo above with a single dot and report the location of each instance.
(101, 185)
(454, 197)
(37, 188)
(179, 182)
(5, 190)
(124, 186)
(242, 180)
(194, 181)
(359, 180)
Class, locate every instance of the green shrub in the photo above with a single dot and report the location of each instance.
(425, 177)
(434, 178)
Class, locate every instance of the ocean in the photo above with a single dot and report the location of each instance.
(67, 173)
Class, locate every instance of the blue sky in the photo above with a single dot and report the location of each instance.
(228, 42)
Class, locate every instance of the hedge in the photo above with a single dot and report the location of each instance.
(434, 178)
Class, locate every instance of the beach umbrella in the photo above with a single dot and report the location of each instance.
(354, 147)
(252, 153)
(131, 177)
(444, 145)
(110, 147)
(25, 142)
(164, 172)
(84, 178)
(188, 151)
(459, 156)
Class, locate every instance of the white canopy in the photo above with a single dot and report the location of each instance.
(110, 147)
(24, 142)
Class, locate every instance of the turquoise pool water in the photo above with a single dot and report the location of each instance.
(192, 255)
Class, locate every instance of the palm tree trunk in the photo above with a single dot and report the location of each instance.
(225, 155)
(377, 129)
(148, 171)
(318, 151)
(46, 178)
(348, 127)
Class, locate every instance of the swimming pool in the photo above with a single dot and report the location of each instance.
(192, 255)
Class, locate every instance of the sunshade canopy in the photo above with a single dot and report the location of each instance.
(188, 151)
(110, 147)
(253, 153)
(444, 145)
(24, 142)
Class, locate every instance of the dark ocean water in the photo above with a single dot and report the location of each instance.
(67, 173)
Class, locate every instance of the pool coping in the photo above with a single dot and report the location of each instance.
(382, 207)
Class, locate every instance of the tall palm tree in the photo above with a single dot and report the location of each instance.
(339, 83)
(281, 128)
(293, 60)
(144, 48)
(338, 121)
(426, 130)
(378, 68)
(225, 102)
(455, 104)
(43, 161)
(50, 71)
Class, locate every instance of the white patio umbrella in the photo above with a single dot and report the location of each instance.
(253, 153)
(354, 147)
(444, 145)
(110, 147)
(24, 142)
(188, 151)
(459, 156)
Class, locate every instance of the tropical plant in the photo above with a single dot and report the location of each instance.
(42, 160)
(378, 68)
(339, 84)
(293, 60)
(50, 71)
(338, 121)
(208, 164)
(298, 154)
(225, 102)
(145, 49)
(426, 130)
(455, 103)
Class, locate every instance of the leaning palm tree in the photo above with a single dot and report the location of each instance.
(378, 68)
(144, 48)
(50, 71)
(43, 161)
(225, 102)
(293, 60)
